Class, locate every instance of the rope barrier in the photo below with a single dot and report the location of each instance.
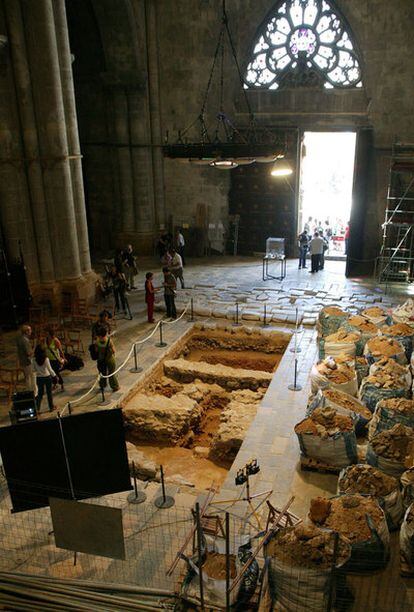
(103, 376)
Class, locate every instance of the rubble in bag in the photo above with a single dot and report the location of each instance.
(325, 422)
(347, 515)
(367, 480)
(407, 543)
(342, 335)
(398, 404)
(335, 371)
(396, 443)
(375, 314)
(362, 325)
(330, 319)
(361, 368)
(215, 566)
(404, 313)
(307, 546)
(381, 346)
(339, 398)
(398, 329)
(407, 483)
(389, 366)
(384, 380)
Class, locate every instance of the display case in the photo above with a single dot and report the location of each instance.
(275, 248)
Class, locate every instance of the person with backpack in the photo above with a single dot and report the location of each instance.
(44, 376)
(104, 353)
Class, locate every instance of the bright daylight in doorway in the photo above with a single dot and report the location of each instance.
(326, 186)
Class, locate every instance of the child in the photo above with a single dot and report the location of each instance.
(150, 296)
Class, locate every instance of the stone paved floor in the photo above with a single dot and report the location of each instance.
(216, 285)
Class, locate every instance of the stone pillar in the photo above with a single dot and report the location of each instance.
(121, 128)
(50, 112)
(40, 236)
(68, 92)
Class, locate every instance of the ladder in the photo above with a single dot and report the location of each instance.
(395, 263)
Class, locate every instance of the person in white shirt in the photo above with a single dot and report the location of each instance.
(44, 376)
(176, 266)
(316, 250)
(180, 244)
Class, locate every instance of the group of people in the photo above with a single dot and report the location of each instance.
(42, 364)
(316, 245)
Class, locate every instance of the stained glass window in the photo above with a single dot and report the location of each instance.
(304, 42)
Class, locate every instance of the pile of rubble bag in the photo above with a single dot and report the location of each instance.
(360, 421)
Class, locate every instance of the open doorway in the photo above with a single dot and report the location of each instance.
(326, 181)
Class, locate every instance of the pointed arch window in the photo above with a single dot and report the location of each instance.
(304, 42)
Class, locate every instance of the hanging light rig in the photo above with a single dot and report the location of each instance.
(226, 146)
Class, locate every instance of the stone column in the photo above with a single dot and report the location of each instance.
(50, 112)
(40, 237)
(68, 92)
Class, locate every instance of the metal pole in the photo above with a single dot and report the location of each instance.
(104, 401)
(135, 369)
(200, 556)
(265, 324)
(138, 496)
(227, 562)
(295, 349)
(69, 408)
(164, 500)
(192, 310)
(236, 322)
(162, 484)
(161, 343)
(295, 386)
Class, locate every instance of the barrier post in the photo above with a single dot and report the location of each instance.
(191, 310)
(161, 343)
(69, 408)
(137, 497)
(265, 324)
(104, 401)
(164, 500)
(135, 369)
(295, 386)
(295, 348)
(236, 322)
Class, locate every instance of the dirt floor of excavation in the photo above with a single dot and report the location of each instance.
(247, 360)
(177, 460)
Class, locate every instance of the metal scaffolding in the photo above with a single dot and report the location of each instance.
(396, 260)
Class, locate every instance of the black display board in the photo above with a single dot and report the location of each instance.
(34, 459)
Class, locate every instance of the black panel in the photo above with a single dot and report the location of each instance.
(34, 460)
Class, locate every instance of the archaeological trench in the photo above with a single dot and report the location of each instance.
(192, 410)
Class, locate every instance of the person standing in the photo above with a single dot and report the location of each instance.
(54, 352)
(170, 285)
(119, 260)
(106, 359)
(180, 244)
(130, 266)
(119, 287)
(316, 250)
(24, 356)
(325, 248)
(176, 266)
(44, 377)
(346, 238)
(150, 296)
(303, 241)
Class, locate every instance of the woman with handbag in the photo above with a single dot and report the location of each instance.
(105, 353)
(54, 352)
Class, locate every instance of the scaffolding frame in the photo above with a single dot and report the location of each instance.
(395, 263)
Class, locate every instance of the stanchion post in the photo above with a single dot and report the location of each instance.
(265, 324)
(161, 343)
(104, 401)
(164, 500)
(295, 348)
(136, 369)
(200, 555)
(295, 386)
(191, 310)
(236, 322)
(227, 562)
(137, 497)
(69, 409)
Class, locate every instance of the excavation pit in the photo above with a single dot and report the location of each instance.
(192, 411)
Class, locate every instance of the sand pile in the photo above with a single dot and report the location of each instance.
(335, 371)
(333, 311)
(398, 329)
(215, 566)
(324, 422)
(395, 443)
(343, 336)
(367, 480)
(398, 404)
(347, 515)
(346, 401)
(381, 346)
(364, 326)
(307, 546)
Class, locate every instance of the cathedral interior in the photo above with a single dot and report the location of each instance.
(207, 242)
